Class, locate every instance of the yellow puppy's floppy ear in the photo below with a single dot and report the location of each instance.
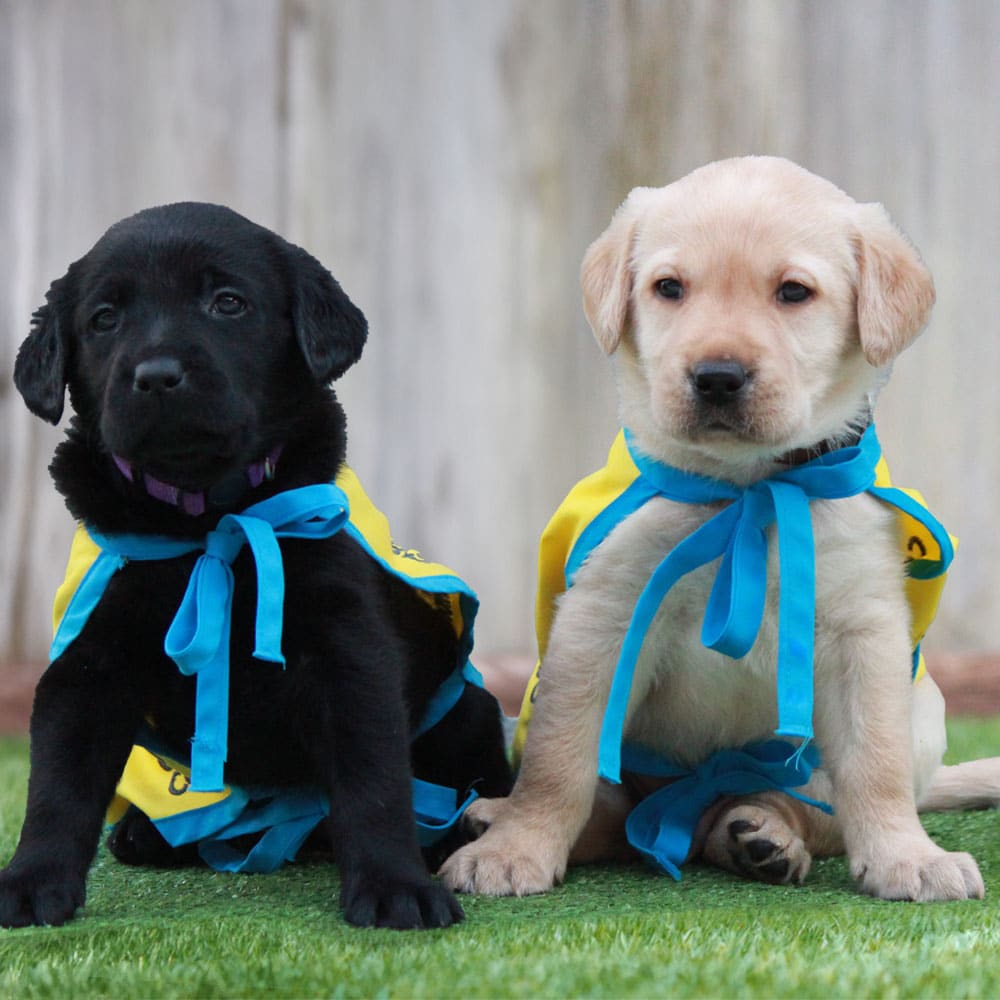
(606, 275)
(895, 289)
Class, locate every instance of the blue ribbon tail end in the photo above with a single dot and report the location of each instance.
(662, 863)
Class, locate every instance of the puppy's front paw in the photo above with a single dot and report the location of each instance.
(403, 903)
(39, 894)
(499, 864)
(922, 873)
(755, 841)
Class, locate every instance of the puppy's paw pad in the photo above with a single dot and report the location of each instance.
(755, 841)
(927, 876)
(493, 867)
(481, 815)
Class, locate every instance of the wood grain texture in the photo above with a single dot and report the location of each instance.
(450, 161)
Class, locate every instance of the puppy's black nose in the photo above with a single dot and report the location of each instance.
(158, 375)
(719, 382)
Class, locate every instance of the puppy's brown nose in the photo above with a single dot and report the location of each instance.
(719, 382)
(158, 375)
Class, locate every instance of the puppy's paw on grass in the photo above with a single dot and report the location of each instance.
(500, 866)
(755, 841)
(414, 904)
(922, 874)
(40, 895)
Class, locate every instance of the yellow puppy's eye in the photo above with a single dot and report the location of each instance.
(793, 291)
(669, 288)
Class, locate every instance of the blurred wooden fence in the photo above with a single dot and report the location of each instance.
(450, 160)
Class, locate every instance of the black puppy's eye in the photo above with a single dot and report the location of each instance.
(669, 288)
(104, 320)
(228, 304)
(793, 291)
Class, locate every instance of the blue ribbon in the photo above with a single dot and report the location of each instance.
(198, 638)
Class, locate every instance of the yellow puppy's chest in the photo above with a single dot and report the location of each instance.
(689, 701)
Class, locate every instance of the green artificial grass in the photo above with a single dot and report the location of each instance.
(608, 932)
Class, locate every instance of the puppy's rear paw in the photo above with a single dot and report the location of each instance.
(412, 903)
(136, 841)
(754, 841)
(41, 895)
(496, 865)
(920, 873)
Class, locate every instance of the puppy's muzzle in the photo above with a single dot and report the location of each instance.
(720, 383)
(158, 376)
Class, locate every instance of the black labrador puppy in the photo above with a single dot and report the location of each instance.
(198, 349)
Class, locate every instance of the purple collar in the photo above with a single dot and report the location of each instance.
(196, 504)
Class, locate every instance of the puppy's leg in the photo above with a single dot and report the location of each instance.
(526, 846)
(82, 726)
(361, 752)
(864, 729)
(530, 836)
(528, 841)
(770, 836)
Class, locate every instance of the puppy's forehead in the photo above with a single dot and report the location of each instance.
(176, 243)
(762, 209)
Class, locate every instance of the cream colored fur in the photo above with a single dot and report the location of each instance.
(732, 234)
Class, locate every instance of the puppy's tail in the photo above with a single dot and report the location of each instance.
(974, 784)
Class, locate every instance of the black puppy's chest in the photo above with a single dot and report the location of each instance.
(268, 715)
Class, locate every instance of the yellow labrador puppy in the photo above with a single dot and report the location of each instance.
(754, 310)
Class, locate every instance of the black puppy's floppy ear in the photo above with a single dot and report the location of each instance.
(330, 329)
(42, 366)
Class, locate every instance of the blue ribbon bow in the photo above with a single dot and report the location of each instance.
(198, 638)
(661, 827)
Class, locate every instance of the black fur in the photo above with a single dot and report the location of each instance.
(241, 332)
